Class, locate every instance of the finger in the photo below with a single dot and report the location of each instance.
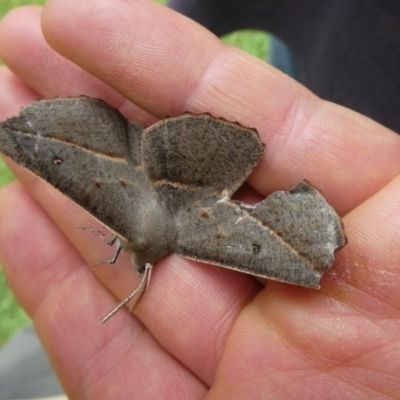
(59, 291)
(25, 51)
(347, 156)
(347, 336)
(180, 309)
(14, 93)
(167, 64)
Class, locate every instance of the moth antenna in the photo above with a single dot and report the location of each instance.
(144, 280)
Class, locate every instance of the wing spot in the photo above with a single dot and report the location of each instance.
(219, 235)
(205, 214)
(122, 183)
(256, 248)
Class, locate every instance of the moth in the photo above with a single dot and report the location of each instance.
(167, 189)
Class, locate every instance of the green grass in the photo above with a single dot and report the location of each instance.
(12, 317)
(252, 41)
(6, 5)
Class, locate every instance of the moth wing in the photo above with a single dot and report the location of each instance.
(86, 122)
(303, 219)
(225, 234)
(200, 152)
(84, 148)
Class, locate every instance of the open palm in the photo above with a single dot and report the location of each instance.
(201, 331)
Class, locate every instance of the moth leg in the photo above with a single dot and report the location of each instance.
(110, 242)
(113, 259)
(100, 234)
(145, 280)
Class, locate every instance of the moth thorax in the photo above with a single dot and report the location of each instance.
(154, 232)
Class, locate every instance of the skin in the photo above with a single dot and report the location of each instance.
(200, 331)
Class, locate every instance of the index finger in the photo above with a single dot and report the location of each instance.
(347, 156)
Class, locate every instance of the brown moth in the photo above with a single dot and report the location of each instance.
(167, 189)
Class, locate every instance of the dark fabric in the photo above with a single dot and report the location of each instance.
(347, 52)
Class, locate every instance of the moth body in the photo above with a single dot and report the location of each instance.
(154, 233)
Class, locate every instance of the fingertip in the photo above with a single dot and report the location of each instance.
(134, 44)
(15, 22)
(14, 93)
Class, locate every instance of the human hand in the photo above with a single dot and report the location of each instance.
(200, 330)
